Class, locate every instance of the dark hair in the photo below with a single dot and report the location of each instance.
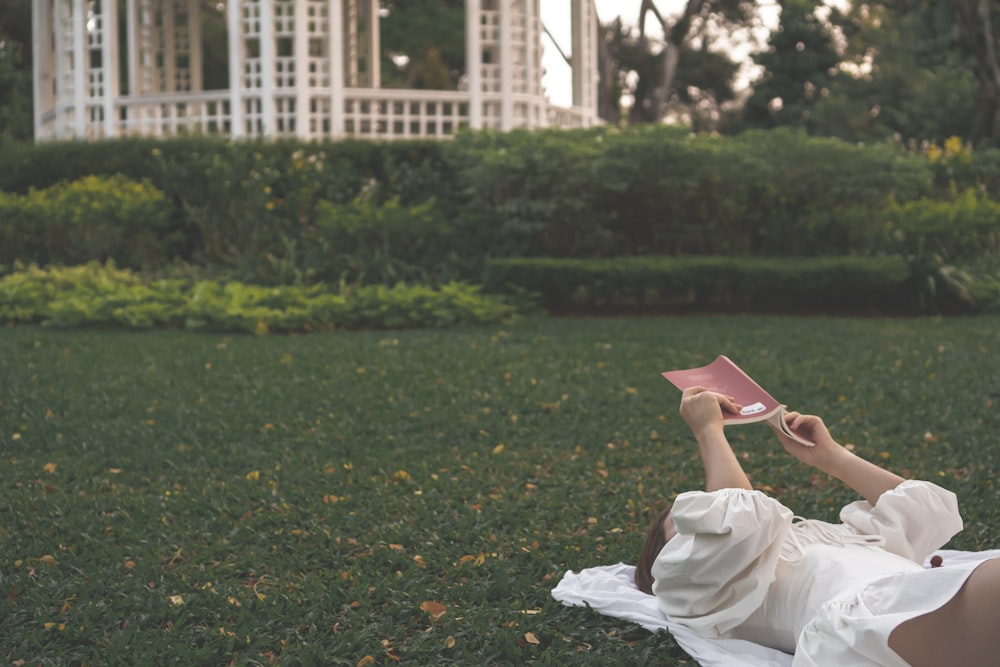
(656, 537)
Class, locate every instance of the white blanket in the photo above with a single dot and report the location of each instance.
(609, 590)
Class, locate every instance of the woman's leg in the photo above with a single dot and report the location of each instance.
(965, 631)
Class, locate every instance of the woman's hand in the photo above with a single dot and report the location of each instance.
(702, 409)
(830, 457)
(824, 454)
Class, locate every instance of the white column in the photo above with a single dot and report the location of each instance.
(336, 68)
(506, 66)
(61, 69)
(268, 119)
(37, 37)
(584, 58)
(234, 11)
(374, 45)
(132, 112)
(539, 105)
(109, 63)
(301, 47)
(351, 45)
(80, 63)
(195, 48)
(474, 62)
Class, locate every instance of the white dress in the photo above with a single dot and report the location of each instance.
(741, 566)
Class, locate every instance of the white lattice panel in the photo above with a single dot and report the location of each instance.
(252, 73)
(284, 18)
(251, 19)
(319, 72)
(320, 121)
(284, 111)
(284, 73)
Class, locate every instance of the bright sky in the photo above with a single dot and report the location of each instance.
(556, 17)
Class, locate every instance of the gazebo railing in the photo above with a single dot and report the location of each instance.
(366, 113)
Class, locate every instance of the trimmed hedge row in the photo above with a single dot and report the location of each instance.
(592, 193)
(96, 295)
(799, 285)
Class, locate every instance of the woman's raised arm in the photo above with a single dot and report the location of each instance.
(702, 411)
(829, 456)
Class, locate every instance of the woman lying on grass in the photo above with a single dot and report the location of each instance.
(732, 562)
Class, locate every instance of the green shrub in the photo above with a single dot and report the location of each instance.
(963, 228)
(364, 242)
(94, 218)
(96, 295)
(656, 284)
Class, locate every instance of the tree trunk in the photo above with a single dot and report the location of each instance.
(676, 39)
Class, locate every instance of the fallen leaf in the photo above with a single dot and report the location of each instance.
(531, 638)
(449, 642)
(50, 468)
(176, 600)
(365, 661)
(434, 608)
(47, 559)
(498, 449)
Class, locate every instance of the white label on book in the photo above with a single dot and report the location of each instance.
(752, 409)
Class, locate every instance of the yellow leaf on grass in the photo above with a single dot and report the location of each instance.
(253, 475)
(449, 642)
(434, 608)
(365, 661)
(531, 638)
(498, 449)
(176, 600)
(50, 468)
(402, 476)
(47, 559)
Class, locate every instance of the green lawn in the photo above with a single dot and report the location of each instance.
(181, 498)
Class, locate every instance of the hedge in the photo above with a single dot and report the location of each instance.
(591, 193)
(655, 284)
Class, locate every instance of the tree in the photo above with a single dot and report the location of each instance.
(687, 74)
(423, 43)
(916, 70)
(799, 66)
(695, 23)
(16, 94)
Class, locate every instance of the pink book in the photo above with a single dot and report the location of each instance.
(725, 377)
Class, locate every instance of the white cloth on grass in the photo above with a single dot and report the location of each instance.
(743, 584)
(609, 590)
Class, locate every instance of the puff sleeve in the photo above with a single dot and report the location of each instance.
(916, 518)
(716, 571)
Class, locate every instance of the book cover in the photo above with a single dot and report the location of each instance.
(725, 377)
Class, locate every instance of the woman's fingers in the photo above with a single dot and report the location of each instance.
(728, 403)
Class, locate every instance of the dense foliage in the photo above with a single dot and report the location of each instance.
(376, 214)
(601, 192)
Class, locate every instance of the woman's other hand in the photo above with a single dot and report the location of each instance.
(825, 451)
(702, 409)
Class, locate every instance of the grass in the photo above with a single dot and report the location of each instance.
(179, 498)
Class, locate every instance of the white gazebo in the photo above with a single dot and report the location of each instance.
(307, 69)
